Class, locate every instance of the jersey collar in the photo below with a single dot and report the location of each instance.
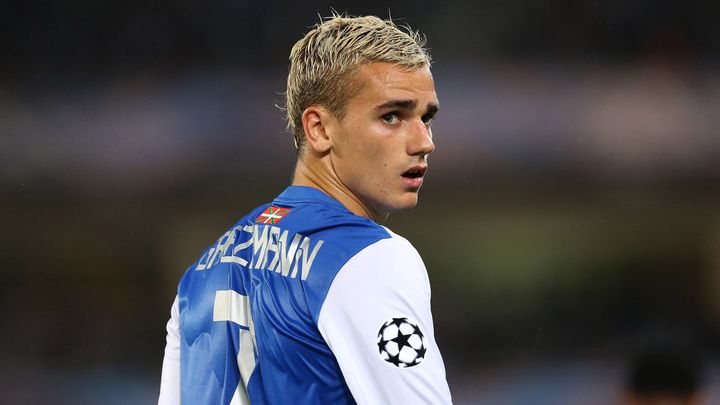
(304, 194)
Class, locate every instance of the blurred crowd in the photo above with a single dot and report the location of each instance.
(569, 218)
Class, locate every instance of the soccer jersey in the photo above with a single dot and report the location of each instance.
(304, 302)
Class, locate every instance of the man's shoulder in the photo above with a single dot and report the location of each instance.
(393, 246)
(336, 226)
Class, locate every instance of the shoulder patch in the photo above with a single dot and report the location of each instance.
(401, 343)
(272, 215)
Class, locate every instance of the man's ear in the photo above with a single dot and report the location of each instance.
(317, 124)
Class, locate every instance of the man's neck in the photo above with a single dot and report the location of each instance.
(310, 175)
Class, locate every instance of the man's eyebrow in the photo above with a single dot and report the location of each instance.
(407, 104)
(402, 104)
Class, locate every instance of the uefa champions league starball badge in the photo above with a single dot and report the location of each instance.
(401, 343)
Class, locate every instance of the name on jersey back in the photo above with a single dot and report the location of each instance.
(263, 247)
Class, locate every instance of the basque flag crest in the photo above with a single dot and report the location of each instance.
(272, 215)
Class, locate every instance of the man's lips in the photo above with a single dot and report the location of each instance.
(415, 172)
(413, 177)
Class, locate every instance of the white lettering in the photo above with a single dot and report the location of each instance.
(287, 255)
(229, 241)
(272, 246)
(286, 260)
(222, 244)
(240, 246)
(307, 260)
(202, 263)
(259, 246)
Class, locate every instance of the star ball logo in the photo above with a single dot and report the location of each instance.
(401, 343)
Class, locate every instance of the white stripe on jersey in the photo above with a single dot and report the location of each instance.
(231, 306)
(170, 381)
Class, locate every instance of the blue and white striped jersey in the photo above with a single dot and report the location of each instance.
(304, 302)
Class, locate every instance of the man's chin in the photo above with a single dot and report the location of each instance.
(403, 202)
(408, 201)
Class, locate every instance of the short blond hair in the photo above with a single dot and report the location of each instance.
(322, 62)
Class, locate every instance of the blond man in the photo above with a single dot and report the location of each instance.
(307, 299)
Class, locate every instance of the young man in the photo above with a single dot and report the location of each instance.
(307, 300)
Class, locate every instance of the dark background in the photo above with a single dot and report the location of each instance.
(570, 217)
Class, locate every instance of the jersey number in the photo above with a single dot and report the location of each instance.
(233, 307)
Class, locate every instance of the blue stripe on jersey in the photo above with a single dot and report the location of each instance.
(285, 270)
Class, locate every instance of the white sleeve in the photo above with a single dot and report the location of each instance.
(170, 383)
(362, 314)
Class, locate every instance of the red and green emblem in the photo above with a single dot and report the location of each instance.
(272, 215)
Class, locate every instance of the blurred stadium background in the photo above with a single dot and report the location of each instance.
(570, 217)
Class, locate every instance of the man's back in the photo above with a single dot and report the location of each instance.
(250, 308)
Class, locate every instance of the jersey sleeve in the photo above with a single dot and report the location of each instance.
(170, 382)
(376, 319)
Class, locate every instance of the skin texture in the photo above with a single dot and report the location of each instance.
(386, 130)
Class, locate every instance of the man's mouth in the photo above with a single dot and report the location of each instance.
(415, 172)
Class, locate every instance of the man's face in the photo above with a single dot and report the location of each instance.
(381, 145)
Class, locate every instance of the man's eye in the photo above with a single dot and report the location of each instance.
(427, 118)
(391, 118)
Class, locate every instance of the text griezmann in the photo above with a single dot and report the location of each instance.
(270, 250)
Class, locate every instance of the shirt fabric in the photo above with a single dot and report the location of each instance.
(304, 302)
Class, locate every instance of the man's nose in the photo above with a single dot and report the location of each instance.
(421, 142)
